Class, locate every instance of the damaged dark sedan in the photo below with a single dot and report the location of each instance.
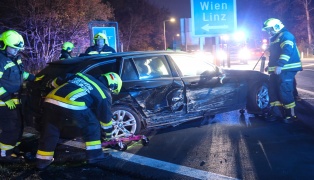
(162, 88)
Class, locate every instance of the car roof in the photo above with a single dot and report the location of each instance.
(85, 57)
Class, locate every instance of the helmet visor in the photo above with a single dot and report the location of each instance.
(270, 31)
(19, 45)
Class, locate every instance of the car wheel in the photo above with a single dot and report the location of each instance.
(258, 98)
(126, 121)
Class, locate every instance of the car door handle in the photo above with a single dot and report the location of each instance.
(175, 99)
(193, 83)
(137, 88)
(221, 78)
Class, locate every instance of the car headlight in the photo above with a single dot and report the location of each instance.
(244, 53)
(222, 55)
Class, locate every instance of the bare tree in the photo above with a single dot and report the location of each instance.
(46, 24)
(307, 10)
(296, 12)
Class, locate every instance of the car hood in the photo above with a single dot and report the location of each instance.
(245, 74)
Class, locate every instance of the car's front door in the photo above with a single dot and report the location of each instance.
(149, 80)
(204, 89)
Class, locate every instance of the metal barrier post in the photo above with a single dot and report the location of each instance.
(263, 64)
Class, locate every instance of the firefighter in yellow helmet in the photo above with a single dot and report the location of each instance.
(83, 100)
(100, 45)
(66, 51)
(12, 75)
(284, 63)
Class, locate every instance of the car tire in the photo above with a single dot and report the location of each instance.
(126, 121)
(258, 98)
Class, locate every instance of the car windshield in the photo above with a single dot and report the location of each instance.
(192, 66)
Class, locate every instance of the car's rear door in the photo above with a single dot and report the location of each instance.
(204, 90)
(149, 80)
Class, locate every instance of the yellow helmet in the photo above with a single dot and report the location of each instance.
(273, 23)
(68, 46)
(12, 39)
(101, 36)
(114, 82)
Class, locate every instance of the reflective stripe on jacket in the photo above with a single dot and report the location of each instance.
(284, 52)
(12, 75)
(95, 50)
(82, 91)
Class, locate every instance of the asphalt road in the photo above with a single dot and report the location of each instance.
(227, 146)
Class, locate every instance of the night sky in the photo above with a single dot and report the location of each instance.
(250, 13)
(177, 8)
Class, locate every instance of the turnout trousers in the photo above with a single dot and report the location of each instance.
(281, 90)
(11, 124)
(55, 118)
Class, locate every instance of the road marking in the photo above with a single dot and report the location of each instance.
(183, 170)
(305, 91)
(27, 135)
(262, 147)
(75, 144)
(308, 70)
(307, 65)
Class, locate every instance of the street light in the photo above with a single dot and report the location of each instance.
(171, 20)
(175, 43)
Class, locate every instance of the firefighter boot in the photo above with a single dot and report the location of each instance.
(274, 114)
(42, 164)
(290, 116)
(104, 157)
(108, 162)
(7, 156)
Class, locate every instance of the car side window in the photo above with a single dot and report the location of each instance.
(152, 67)
(128, 71)
(191, 66)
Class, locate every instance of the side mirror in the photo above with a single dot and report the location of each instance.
(219, 70)
(221, 78)
(221, 74)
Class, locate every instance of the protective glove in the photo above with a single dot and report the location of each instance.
(277, 70)
(39, 78)
(10, 103)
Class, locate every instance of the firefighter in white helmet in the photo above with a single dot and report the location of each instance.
(284, 63)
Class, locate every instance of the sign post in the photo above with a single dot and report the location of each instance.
(214, 17)
(110, 32)
(110, 29)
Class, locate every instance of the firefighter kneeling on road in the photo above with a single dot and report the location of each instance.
(12, 75)
(284, 63)
(84, 100)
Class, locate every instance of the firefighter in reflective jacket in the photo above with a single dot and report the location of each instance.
(284, 63)
(66, 51)
(12, 75)
(100, 46)
(83, 100)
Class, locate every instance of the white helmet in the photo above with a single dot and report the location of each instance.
(272, 26)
